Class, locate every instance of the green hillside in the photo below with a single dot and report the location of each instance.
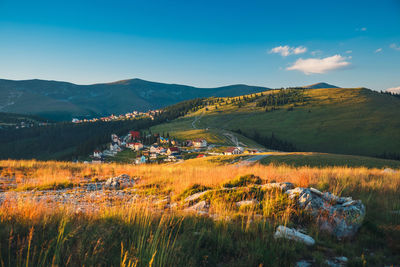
(335, 120)
(63, 101)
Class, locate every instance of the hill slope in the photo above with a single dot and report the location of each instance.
(63, 100)
(335, 120)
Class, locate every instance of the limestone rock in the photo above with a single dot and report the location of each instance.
(112, 183)
(340, 216)
(282, 186)
(292, 234)
(121, 181)
(201, 208)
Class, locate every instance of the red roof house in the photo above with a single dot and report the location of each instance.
(135, 134)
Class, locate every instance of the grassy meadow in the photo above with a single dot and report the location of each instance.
(37, 234)
(299, 159)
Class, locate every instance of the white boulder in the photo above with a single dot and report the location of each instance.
(292, 234)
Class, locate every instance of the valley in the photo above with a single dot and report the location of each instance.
(285, 177)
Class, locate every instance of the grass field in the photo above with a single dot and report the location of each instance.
(328, 160)
(33, 234)
(182, 129)
(348, 121)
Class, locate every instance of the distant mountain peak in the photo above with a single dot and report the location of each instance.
(320, 85)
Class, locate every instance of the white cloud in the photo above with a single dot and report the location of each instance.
(299, 50)
(283, 50)
(319, 65)
(363, 29)
(395, 90)
(287, 50)
(378, 50)
(349, 51)
(395, 47)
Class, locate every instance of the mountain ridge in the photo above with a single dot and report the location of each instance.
(60, 100)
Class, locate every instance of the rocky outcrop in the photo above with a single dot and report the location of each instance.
(340, 216)
(201, 208)
(119, 182)
(281, 186)
(195, 197)
(292, 234)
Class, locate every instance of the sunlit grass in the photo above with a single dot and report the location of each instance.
(42, 234)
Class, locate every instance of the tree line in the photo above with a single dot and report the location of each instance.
(281, 98)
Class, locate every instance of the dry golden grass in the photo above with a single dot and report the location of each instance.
(178, 177)
(22, 218)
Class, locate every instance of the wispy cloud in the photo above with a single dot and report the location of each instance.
(395, 47)
(319, 65)
(378, 50)
(363, 29)
(287, 50)
(349, 51)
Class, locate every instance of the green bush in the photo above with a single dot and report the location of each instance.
(243, 181)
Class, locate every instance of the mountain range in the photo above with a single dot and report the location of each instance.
(62, 100)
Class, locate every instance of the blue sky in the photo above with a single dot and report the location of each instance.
(203, 43)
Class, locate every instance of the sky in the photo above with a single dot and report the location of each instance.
(203, 43)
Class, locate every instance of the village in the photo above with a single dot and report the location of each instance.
(127, 116)
(155, 148)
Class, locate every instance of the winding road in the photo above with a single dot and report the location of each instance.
(197, 118)
(251, 160)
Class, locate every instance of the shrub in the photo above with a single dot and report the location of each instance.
(243, 181)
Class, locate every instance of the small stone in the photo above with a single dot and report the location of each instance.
(292, 234)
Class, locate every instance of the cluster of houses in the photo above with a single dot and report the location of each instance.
(128, 116)
(163, 150)
(23, 124)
